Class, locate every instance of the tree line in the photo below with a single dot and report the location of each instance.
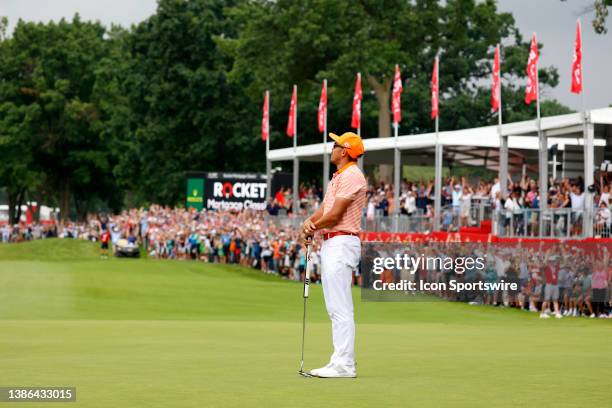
(103, 118)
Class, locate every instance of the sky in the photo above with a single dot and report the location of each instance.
(553, 20)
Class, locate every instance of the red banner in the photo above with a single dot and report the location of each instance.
(292, 113)
(451, 237)
(322, 108)
(496, 91)
(531, 91)
(435, 92)
(356, 119)
(265, 120)
(397, 96)
(577, 62)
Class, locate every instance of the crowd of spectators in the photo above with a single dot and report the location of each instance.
(554, 280)
(520, 211)
(465, 202)
(247, 238)
(416, 200)
(253, 239)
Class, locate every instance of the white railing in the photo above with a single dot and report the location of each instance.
(378, 223)
(400, 223)
(548, 223)
(480, 210)
(602, 223)
(524, 222)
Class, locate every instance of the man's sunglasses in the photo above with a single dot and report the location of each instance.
(336, 145)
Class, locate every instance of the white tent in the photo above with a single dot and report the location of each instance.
(481, 146)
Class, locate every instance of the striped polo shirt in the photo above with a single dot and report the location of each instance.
(347, 182)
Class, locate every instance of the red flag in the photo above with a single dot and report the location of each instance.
(396, 99)
(292, 110)
(434, 90)
(496, 91)
(356, 119)
(265, 120)
(531, 91)
(322, 107)
(577, 62)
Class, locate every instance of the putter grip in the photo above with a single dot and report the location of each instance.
(307, 273)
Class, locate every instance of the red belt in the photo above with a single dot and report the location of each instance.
(329, 235)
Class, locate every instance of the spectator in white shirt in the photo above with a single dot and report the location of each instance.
(577, 199)
(410, 203)
(605, 192)
(495, 189)
(603, 219)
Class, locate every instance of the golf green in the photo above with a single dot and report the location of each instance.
(149, 333)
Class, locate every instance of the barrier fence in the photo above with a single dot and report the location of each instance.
(380, 223)
(548, 223)
(418, 222)
(558, 223)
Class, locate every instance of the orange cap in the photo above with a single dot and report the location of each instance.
(352, 143)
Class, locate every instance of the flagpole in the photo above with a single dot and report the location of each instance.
(503, 162)
(325, 155)
(360, 106)
(438, 155)
(295, 123)
(587, 142)
(396, 169)
(582, 91)
(503, 152)
(396, 178)
(268, 163)
(543, 153)
(296, 164)
(503, 140)
(360, 159)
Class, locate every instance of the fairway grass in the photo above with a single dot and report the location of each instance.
(147, 333)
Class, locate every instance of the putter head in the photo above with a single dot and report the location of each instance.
(305, 374)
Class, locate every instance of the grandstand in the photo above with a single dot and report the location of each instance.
(518, 149)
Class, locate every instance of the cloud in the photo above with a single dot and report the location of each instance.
(123, 12)
(554, 22)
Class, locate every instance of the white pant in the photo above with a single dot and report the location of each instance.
(339, 258)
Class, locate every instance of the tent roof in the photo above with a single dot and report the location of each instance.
(562, 130)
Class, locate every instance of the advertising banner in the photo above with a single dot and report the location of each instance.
(195, 193)
(228, 191)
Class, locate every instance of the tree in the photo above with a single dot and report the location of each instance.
(185, 114)
(48, 74)
(600, 7)
(87, 113)
(601, 14)
(285, 42)
(16, 167)
(17, 173)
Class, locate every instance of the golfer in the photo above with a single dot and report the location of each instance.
(339, 220)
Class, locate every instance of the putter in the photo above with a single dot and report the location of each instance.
(306, 286)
